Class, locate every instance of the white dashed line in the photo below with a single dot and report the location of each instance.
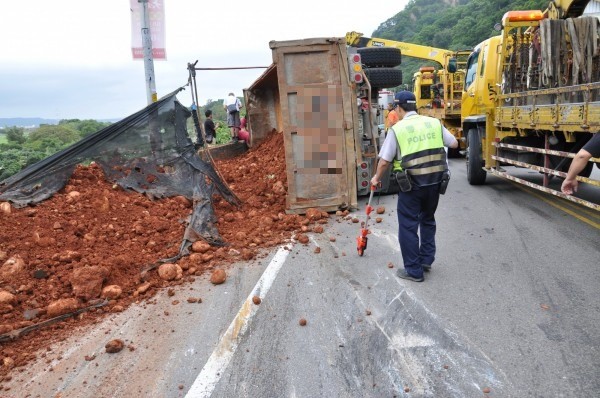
(216, 365)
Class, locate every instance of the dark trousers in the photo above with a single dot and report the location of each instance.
(416, 216)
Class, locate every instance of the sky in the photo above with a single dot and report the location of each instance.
(71, 59)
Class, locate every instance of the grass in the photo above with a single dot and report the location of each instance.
(3, 139)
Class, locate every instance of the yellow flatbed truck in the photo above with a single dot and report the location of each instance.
(532, 97)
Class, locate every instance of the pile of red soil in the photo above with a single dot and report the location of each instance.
(91, 240)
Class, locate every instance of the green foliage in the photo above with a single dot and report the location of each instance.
(20, 150)
(84, 127)
(14, 159)
(62, 134)
(15, 134)
(10, 162)
(460, 25)
(223, 133)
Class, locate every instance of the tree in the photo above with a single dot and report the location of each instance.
(84, 127)
(15, 134)
(87, 127)
(61, 133)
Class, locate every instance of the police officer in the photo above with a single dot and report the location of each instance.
(415, 147)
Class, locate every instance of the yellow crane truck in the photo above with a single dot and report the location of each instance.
(532, 97)
(438, 92)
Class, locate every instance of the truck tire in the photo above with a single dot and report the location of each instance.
(373, 57)
(475, 172)
(384, 77)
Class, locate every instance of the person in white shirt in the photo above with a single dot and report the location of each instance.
(414, 147)
(232, 106)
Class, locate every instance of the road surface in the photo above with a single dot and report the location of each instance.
(511, 308)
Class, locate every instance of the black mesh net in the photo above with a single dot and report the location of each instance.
(149, 152)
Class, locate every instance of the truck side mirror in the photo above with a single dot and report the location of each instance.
(451, 68)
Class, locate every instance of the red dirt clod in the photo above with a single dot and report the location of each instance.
(302, 322)
(218, 276)
(302, 239)
(62, 306)
(169, 271)
(313, 214)
(114, 346)
(200, 247)
(112, 292)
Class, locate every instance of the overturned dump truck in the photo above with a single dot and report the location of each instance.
(317, 94)
(532, 96)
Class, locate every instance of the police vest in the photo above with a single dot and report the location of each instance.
(422, 149)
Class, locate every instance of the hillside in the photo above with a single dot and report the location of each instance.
(451, 24)
(25, 121)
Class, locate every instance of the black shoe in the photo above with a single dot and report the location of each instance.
(401, 273)
(426, 267)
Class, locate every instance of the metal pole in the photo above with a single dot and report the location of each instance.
(148, 59)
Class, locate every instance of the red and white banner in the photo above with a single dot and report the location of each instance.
(156, 17)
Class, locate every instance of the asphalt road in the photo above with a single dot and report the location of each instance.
(511, 306)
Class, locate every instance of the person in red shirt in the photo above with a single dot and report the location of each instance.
(244, 134)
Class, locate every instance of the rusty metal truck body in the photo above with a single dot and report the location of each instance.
(311, 95)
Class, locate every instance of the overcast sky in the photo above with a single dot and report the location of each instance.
(68, 59)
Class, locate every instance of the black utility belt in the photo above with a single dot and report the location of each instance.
(406, 183)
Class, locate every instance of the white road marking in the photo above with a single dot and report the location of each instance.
(216, 365)
(390, 238)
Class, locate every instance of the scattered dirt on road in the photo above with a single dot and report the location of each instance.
(87, 245)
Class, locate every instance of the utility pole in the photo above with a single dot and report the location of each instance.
(148, 58)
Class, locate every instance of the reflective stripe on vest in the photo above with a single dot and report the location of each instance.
(422, 149)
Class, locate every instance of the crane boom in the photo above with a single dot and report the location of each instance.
(438, 55)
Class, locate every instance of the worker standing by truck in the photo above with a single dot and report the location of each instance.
(232, 106)
(415, 147)
(391, 117)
